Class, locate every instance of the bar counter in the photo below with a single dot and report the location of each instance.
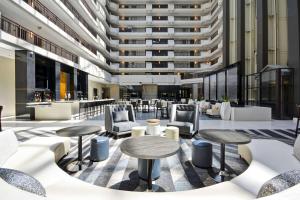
(67, 110)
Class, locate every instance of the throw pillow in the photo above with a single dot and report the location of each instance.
(22, 181)
(120, 116)
(279, 183)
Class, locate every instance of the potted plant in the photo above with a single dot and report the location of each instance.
(225, 110)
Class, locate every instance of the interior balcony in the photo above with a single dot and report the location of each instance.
(46, 28)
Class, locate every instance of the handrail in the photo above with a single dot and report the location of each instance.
(78, 16)
(89, 9)
(38, 6)
(18, 31)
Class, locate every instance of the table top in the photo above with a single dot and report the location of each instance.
(74, 131)
(225, 136)
(149, 147)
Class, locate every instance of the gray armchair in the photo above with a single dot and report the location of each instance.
(186, 118)
(119, 119)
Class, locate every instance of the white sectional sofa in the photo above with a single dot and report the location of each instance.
(38, 157)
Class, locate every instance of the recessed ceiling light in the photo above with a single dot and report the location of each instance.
(39, 27)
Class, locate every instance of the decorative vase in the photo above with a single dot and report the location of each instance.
(225, 110)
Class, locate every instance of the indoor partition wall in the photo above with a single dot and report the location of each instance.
(273, 87)
(224, 83)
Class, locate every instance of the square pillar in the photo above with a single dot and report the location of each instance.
(25, 79)
(57, 81)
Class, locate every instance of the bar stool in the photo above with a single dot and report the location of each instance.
(99, 148)
(172, 132)
(201, 154)
(138, 131)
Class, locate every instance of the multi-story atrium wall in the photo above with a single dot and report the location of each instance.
(140, 43)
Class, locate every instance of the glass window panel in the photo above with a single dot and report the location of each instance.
(213, 87)
(206, 88)
(221, 85)
(232, 84)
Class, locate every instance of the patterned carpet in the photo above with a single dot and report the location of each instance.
(119, 171)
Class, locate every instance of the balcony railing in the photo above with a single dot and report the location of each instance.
(38, 6)
(18, 31)
(89, 9)
(78, 16)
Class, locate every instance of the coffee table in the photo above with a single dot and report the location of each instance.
(149, 148)
(78, 131)
(224, 137)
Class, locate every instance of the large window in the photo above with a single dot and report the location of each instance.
(213, 87)
(221, 85)
(232, 84)
(206, 87)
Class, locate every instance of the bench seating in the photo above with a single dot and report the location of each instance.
(37, 157)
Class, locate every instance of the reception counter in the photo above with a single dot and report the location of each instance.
(65, 110)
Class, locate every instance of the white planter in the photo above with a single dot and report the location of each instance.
(225, 111)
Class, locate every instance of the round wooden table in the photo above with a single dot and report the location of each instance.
(149, 148)
(224, 137)
(79, 131)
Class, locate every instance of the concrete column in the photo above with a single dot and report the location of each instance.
(57, 80)
(75, 81)
(262, 34)
(226, 32)
(195, 91)
(294, 44)
(241, 47)
(25, 79)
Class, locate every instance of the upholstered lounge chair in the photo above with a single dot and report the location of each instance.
(119, 119)
(186, 118)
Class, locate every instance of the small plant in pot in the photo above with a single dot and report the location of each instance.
(225, 99)
(225, 110)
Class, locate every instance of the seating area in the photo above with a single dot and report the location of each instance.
(254, 159)
(264, 164)
(149, 100)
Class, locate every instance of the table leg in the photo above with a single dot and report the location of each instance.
(222, 158)
(221, 176)
(149, 170)
(80, 152)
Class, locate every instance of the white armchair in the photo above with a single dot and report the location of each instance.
(215, 110)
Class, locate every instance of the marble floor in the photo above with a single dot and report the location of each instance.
(205, 123)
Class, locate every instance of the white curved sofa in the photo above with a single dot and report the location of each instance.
(37, 157)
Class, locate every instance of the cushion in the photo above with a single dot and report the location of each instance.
(120, 116)
(280, 183)
(8, 145)
(184, 116)
(124, 126)
(22, 181)
(185, 128)
(297, 148)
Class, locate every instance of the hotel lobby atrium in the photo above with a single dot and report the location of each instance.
(149, 99)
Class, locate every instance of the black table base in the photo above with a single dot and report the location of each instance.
(149, 171)
(222, 175)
